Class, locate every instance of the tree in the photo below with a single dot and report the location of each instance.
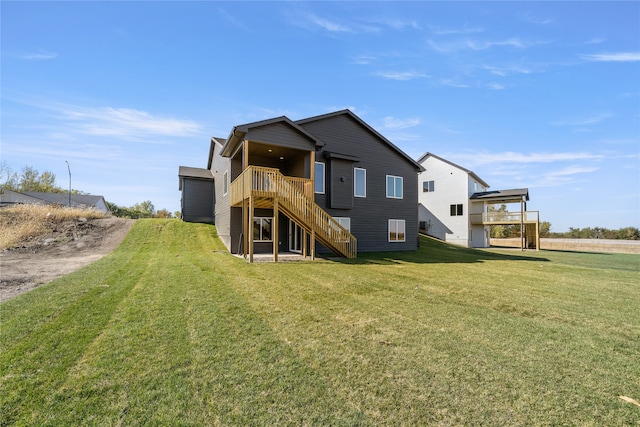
(162, 213)
(32, 180)
(29, 180)
(146, 208)
(545, 229)
(8, 178)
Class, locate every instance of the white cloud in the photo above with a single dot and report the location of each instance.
(329, 25)
(238, 23)
(507, 70)
(482, 45)
(364, 60)
(109, 121)
(495, 86)
(591, 120)
(512, 157)
(446, 31)
(73, 122)
(478, 45)
(596, 40)
(395, 23)
(401, 75)
(38, 56)
(570, 170)
(395, 123)
(613, 57)
(453, 83)
(532, 19)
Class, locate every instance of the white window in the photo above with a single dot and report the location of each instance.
(319, 178)
(344, 222)
(359, 182)
(455, 210)
(262, 229)
(396, 230)
(225, 183)
(394, 187)
(428, 187)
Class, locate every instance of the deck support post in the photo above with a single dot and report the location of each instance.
(250, 228)
(312, 244)
(274, 230)
(304, 243)
(522, 233)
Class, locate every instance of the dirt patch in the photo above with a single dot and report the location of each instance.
(69, 246)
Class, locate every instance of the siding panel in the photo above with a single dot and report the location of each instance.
(197, 200)
(370, 215)
(280, 134)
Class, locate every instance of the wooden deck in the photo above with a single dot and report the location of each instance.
(261, 187)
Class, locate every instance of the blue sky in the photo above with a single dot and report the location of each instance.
(544, 95)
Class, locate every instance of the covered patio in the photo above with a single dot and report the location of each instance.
(529, 221)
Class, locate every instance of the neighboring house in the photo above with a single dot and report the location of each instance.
(454, 206)
(326, 183)
(77, 200)
(197, 194)
(9, 197)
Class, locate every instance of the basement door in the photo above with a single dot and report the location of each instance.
(295, 237)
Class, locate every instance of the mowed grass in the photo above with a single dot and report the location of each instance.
(171, 329)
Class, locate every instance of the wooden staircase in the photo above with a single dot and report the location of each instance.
(268, 188)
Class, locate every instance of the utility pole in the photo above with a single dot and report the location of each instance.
(69, 169)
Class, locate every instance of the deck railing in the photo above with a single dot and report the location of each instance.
(295, 198)
(496, 218)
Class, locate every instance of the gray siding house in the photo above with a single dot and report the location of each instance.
(83, 201)
(329, 183)
(197, 195)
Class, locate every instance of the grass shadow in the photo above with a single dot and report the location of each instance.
(433, 251)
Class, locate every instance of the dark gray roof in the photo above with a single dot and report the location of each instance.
(238, 132)
(189, 172)
(366, 126)
(214, 141)
(476, 177)
(504, 196)
(63, 198)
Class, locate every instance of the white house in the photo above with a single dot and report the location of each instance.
(454, 205)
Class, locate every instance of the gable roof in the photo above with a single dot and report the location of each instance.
(362, 123)
(238, 133)
(10, 196)
(77, 200)
(214, 141)
(189, 172)
(193, 173)
(502, 196)
(471, 173)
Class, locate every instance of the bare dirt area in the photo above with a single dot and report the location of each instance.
(70, 245)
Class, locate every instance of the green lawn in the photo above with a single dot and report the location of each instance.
(170, 329)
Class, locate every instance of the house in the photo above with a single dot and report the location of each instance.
(9, 197)
(197, 195)
(329, 183)
(454, 205)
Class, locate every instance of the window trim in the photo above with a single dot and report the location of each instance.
(431, 186)
(225, 183)
(395, 178)
(396, 222)
(261, 219)
(355, 183)
(315, 178)
(456, 209)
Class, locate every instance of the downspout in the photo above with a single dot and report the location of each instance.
(522, 244)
